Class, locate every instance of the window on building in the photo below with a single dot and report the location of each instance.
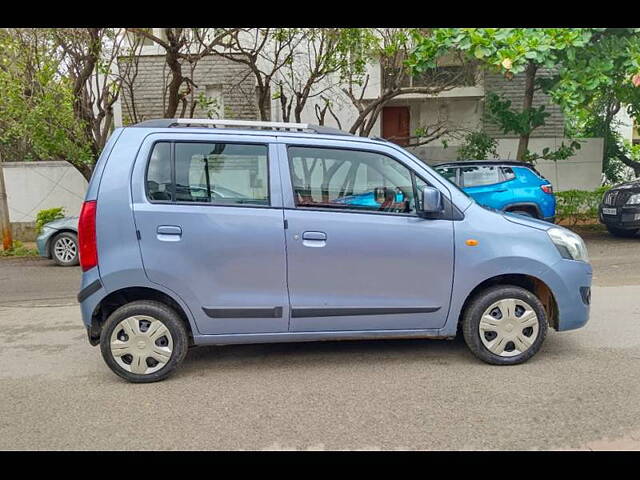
(214, 102)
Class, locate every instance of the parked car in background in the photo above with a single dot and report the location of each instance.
(59, 241)
(504, 185)
(619, 210)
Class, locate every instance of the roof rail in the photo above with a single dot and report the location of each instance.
(222, 123)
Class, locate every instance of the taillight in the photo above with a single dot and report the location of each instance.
(88, 248)
(547, 188)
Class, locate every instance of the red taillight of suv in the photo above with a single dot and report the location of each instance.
(547, 188)
(88, 249)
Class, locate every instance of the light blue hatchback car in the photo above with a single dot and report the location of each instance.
(212, 232)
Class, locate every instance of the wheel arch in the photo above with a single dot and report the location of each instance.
(529, 282)
(114, 300)
(527, 206)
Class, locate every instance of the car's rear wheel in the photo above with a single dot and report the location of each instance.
(620, 232)
(64, 249)
(504, 325)
(144, 341)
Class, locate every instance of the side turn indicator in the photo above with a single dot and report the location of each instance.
(471, 242)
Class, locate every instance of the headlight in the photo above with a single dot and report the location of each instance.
(570, 245)
(634, 199)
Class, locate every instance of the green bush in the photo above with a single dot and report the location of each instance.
(578, 205)
(49, 215)
(19, 250)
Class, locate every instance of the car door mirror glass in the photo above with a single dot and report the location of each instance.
(431, 201)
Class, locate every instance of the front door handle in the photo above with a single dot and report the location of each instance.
(169, 233)
(314, 239)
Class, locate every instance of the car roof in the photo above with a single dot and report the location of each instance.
(485, 162)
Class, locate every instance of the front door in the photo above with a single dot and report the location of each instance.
(212, 232)
(395, 124)
(358, 256)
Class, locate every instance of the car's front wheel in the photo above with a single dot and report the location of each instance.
(64, 249)
(504, 325)
(144, 341)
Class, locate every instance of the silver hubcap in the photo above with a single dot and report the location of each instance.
(141, 344)
(65, 249)
(508, 327)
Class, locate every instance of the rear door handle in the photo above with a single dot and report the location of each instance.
(169, 233)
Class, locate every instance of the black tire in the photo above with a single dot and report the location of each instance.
(619, 232)
(524, 212)
(481, 302)
(159, 311)
(65, 237)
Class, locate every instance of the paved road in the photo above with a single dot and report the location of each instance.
(581, 391)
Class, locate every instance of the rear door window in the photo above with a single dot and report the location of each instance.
(478, 175)
(207, 172)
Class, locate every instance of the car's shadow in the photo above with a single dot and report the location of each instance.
(327, 352)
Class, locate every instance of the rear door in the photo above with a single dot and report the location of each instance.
(209, 213)
(359, 258)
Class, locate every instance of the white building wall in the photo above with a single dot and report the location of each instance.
(35, 186)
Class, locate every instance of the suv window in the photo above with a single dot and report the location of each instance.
(219, 173)
(350, 179)
(449, 173)
(507, 173)
(476, 175)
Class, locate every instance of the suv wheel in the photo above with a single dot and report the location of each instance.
(523, 212)
(144, 341)
(504, 325)
(64, 249)
(619, 232)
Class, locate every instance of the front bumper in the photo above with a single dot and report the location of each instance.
(626, 217)
(570, 282)
(42, 242)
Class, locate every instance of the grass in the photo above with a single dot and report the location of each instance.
(18, 249)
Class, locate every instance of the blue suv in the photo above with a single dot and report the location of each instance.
(509, 186)
(214, 232)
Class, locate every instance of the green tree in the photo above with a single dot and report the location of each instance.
(510, 51)
(37, 120)
(594, 83)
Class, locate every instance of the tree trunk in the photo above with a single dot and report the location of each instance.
(174, 86)
(635, 166)
(530, 77)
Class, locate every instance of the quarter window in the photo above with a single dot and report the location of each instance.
(159, 184)
(350, 180)
(507, 172)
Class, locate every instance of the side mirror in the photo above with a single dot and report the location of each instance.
(431, 201)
